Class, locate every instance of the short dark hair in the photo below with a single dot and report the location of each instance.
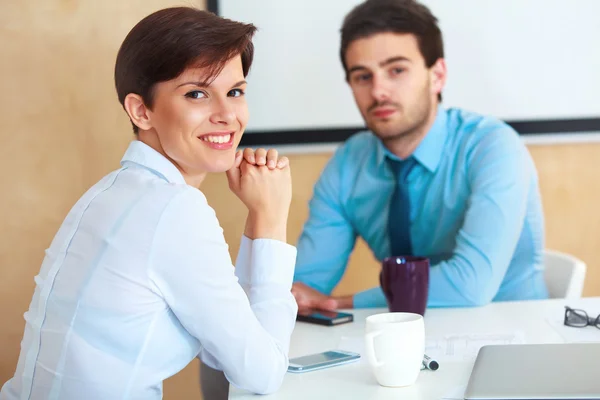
(163, 44)
(397, 16)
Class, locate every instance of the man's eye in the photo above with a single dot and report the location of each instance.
(396, 71)
(195, 94)
(235, 93)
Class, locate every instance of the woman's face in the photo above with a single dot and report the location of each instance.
(198, 125)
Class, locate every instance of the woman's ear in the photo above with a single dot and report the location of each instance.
(137, 111)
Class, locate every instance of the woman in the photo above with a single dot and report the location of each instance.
(138, 280)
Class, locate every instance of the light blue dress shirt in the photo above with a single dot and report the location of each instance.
(138, 281)
(475, 212)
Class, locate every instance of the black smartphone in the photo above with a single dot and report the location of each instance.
(327, 318)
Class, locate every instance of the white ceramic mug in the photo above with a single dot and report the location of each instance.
(394, 345)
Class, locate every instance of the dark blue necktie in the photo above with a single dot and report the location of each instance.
(399, 215)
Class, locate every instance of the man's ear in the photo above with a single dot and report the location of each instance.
(438, 73)
(137, 111)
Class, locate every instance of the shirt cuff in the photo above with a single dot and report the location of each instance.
(372, 298)
(272, 261)
(243, 261)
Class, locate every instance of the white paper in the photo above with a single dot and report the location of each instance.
(447, 348)
(464, 347)
(573, 335)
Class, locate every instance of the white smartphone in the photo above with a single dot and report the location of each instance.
(322, 360)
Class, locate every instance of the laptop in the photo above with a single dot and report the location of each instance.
(536, 371)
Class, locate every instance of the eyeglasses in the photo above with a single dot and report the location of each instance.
(579, 318)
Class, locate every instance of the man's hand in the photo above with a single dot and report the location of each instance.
(309, 299)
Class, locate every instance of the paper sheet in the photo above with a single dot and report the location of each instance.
(447, 348)
(573, 335)
(464, 347)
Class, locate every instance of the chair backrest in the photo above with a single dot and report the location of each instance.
(564, 275)
(213, 384)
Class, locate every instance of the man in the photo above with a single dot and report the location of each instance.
(450, 185)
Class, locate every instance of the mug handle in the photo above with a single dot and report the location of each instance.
(370, 348)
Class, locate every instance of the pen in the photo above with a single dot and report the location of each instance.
(430, 363)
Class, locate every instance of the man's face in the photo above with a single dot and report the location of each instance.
(393, 88)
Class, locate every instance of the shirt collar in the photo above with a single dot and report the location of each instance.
(429, 151)
(141, 154)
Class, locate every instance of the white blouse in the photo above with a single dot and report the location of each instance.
(138, 281)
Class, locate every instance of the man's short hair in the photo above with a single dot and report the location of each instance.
(396, 16)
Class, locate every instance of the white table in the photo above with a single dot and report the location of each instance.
(538, 321)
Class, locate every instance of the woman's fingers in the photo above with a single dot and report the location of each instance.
(272, 156)
(283, 162)
(249, 156)
(260, 155)
(239, 156)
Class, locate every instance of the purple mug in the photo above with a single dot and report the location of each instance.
(405, 283)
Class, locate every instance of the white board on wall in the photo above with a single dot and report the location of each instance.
(515, 59)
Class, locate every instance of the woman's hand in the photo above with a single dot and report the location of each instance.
(262, 181)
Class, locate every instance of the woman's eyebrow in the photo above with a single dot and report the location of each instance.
(195, 83)
(205, 85)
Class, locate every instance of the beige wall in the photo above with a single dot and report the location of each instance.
(61, 129)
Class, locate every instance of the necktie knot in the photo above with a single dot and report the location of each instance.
(401, 169)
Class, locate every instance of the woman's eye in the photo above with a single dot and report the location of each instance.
(195, 94)
(235, 93)
(362, 78)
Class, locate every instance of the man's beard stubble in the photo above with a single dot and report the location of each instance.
(411, 121)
